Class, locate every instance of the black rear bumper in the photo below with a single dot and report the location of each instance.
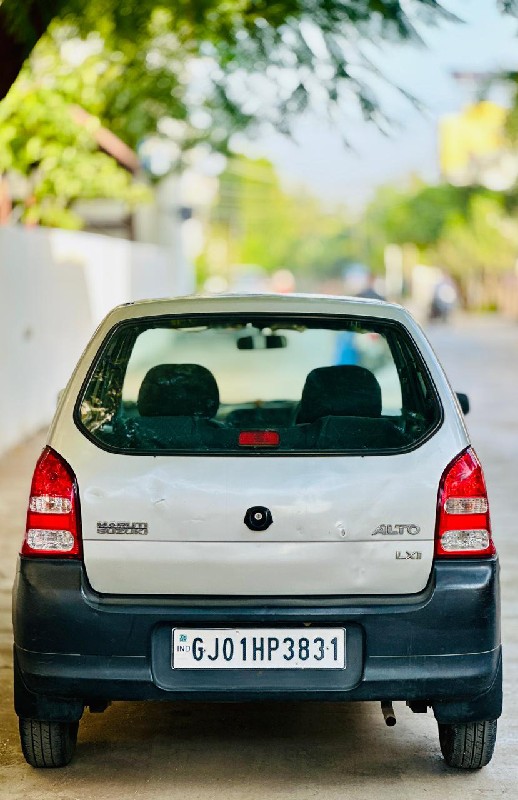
(75, 648)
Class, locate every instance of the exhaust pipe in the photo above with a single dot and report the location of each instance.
(387, 710)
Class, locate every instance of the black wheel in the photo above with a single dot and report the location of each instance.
(469, 745)
(48, 744)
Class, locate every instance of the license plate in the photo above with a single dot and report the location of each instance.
(258, 648)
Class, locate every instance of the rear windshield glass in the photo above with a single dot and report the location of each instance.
(264, 384)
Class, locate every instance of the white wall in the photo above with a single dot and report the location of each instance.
(55, 287)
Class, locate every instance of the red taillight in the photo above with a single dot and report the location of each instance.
(259, 439)
(463, 524)
(53, 527)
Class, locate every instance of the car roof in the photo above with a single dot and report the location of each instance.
(259, 303)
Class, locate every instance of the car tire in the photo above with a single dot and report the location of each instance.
(468, 745)
(48, 744)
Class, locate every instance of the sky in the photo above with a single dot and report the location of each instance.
(487, 41)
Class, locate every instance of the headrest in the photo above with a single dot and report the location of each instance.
(342, 391)
(178, 390)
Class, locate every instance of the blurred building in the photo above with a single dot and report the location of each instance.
(474, 149)
(102, 215)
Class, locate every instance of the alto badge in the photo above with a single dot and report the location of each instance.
(396, 530)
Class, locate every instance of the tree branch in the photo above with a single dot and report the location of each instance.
(13, 55)
(20, 31)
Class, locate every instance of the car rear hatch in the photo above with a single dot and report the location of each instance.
(342, 454)
(174, 525)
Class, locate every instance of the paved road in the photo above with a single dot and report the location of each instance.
(295, 750)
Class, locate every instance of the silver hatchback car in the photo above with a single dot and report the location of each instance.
(260, 498)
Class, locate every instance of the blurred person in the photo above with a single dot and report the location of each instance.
(248, 279)
(346, 351)
(444, 299)
(354, 278)
(366, 283)
(370, 290)
(283, 281)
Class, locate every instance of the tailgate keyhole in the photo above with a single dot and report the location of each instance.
(258, 518)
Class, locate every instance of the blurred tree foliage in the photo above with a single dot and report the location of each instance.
(468, 230)
(119, 88)
(53, 160)
(512, 118)
(192, 71)
(196, 70)
(257, 59)
(255, 221)
(481, 243)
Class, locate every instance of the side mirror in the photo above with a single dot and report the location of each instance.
(463, 402)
